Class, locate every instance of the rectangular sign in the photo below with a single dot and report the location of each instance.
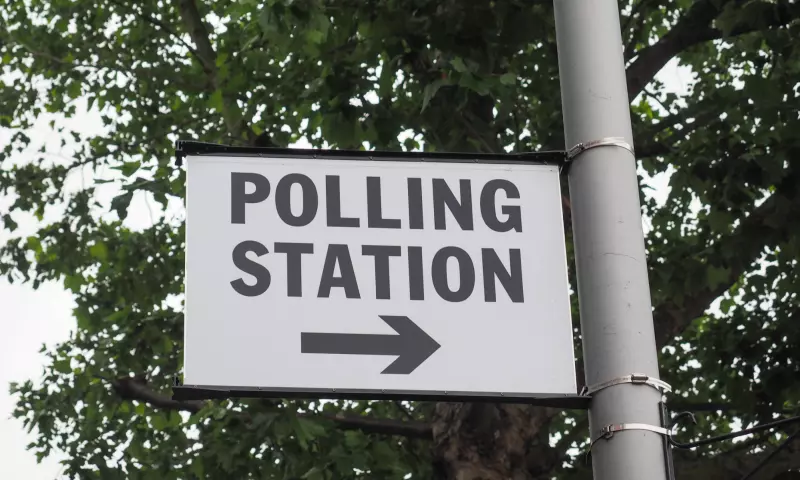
(376, 276)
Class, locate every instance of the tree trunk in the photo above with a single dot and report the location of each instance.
(483, 441)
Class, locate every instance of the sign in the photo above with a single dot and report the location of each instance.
(377, 276)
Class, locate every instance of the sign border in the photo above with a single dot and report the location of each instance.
(185, 148)
(555, 400)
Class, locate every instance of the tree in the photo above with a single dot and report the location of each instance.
(394, 75)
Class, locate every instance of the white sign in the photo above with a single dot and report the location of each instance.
(376, 276)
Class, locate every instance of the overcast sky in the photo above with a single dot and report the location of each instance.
(34, 317)
(30, 318)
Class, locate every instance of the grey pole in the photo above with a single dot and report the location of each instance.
(613, 288)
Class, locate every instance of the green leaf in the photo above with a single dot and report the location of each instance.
(158, 421)
(720, 221)
(316, 473)
(74, 90)
(353, 440)
(216, 101)
(387, 77)
(458, 65)
(410, 144)
(117, 316)
(264, 420)
(74, 282)
(121, 203)
(62, 365)
(197, 467)
(34, 244)
(306, 430)
(726, 305)
(315, 36)
(508, 79)
(266, 20)
(383, 453)
(311, 429)
(129, 168)
(474, 83)
(9, 223)
(83, 319)
(430, 92)
(99, 251)
(167, 344)
(717, 276)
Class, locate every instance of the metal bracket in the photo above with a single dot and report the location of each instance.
(609, 430)
(602, 142)
(634, 378)
(665, 430)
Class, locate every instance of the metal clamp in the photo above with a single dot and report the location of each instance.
(603, 142)
(634, 378)
(609, 430)
(583, 146)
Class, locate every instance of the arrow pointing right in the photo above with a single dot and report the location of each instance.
(411, 345)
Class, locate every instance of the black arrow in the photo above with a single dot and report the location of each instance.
(412, 345)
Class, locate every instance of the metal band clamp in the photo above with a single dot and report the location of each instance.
(603, 142)
(634, 378)
(609, 430)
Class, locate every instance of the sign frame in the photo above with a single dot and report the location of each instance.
(183, 392)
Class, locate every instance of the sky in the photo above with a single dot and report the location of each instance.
(32, 318)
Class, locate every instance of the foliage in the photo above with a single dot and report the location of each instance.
(386, 74)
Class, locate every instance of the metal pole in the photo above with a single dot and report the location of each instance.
(613, 288)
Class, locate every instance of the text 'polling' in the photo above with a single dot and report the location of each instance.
(297, 200)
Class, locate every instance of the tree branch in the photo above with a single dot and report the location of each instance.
(403, 428)
(762, 226)
(157, 23)
(629, 24)
(695, 28)
(135, 388)
(130, 72)
(682, 36)
(655, 148)
(199, 34)
(231, 113)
